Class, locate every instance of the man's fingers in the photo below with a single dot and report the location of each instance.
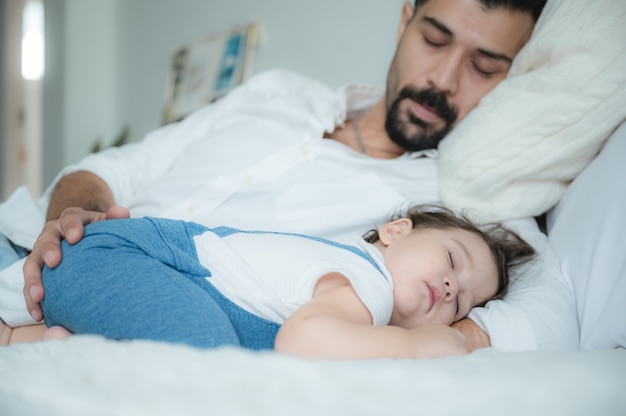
(117, 212)
(47, 250)
(33, 289)
(71, 223)
(47, 247)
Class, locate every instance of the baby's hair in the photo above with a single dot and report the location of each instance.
(507, 247)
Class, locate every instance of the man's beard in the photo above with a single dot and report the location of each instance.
(426, 136)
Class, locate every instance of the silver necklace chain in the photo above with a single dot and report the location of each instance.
(357, 133)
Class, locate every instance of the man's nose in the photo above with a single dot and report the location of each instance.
(445, 74)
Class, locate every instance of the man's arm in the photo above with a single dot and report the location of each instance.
(80, 189)
(78, 199)
(475, 336)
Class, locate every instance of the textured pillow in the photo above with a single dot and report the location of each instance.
(516, 153)
(587, 230)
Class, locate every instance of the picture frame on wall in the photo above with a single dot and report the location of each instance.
(207, 69)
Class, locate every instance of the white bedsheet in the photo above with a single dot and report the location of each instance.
(87, 375)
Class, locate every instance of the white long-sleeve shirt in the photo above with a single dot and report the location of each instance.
(257, 159)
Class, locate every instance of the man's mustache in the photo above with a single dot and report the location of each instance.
(431, 98)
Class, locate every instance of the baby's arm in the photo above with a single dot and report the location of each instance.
(336, 324)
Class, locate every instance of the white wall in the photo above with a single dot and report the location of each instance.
(11, 97)
(91, 81)
(116, 55)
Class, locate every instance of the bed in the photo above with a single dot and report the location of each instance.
(88, 375)
(91, 375)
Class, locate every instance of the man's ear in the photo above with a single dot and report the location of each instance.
(405, 17)
(388, 232)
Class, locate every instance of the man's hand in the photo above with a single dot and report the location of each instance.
(476, 337)
(47, 249)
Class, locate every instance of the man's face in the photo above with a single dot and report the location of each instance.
(450, 54)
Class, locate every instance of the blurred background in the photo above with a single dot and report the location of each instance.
(78, 75)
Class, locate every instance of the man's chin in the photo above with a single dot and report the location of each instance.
(414, 134)
(421, 141)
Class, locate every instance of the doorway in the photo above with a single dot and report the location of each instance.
(21, 95)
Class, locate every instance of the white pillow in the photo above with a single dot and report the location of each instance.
(573, 295)
(539, 311)
(514, 155)
(587, 230)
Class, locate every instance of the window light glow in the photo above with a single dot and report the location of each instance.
(33, 40)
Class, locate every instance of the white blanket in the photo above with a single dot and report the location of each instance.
(515, 154)
(92, 376)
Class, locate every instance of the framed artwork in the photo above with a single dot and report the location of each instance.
(205, 70)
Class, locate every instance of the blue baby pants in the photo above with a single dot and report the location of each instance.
(141, 279)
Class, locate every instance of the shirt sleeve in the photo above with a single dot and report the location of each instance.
(125, 169)
(128, 168)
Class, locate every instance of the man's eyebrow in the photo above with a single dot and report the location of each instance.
(445, 30)
(496, 56)
(437, 24)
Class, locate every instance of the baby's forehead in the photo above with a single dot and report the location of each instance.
(451, 231)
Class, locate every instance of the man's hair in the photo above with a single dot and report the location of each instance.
(534, 7)
(507, 247)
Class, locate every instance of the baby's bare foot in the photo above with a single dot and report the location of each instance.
(27, 333)
(55, 332)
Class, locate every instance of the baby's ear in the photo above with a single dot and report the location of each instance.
(388, 232)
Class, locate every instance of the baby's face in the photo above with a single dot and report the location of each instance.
(438, 274)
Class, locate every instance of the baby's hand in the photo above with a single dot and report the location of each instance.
(438, 341)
